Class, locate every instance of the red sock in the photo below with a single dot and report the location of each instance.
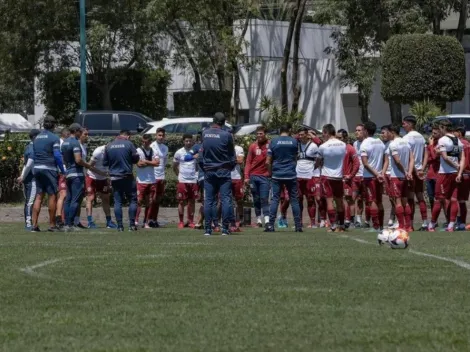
(374, 214)
(411, 203)
(381, 217)
(332, 216)
(137, 215)
(463, 212)
(322, 209)
(340, 218)
(408, 223)
(312, 210)
(454, 210)
(400, 213)
(436, 210)
(423, 208)
(368, 214)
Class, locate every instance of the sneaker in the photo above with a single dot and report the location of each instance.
(35, 229)
(181, 225)
(111, 225)
(208, 233)
(299, 230)
(191, 225)
(132, 228)
(92, 225)
(28, 228)
(357, 224)
(259, 223)
(390, 223)
(269, 229)
(120, 228)
(322, 224)
(347, 224)
(423, 228)
(54, 229)
(80, 226)
(366, 225)
(312, 226)
(147, 226)
(198, 226)
(225, 232)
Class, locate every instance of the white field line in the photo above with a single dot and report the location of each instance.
(459, 263)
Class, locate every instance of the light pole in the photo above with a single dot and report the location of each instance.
(83, 91)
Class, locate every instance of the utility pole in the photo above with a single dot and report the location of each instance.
(83, 90)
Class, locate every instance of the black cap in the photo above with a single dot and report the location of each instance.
(219, 118)
(50, 118)
(74, 127)
(33, 133)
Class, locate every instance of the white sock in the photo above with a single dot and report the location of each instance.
(425, 223)
(451, 225)
(259, 219)
(266, 219)
(358, 219)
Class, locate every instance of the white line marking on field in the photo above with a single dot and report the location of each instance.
(30, 269)
(459, 263)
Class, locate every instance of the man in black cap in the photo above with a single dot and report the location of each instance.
(27, 179)
(217, 161)
(47, 159)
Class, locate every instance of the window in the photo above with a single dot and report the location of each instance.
(170, 128)
(193, 127)
(99, 121)
(131, 122)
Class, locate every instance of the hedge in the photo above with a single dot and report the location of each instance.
(202, 103)
(417, 67)
(141, 90)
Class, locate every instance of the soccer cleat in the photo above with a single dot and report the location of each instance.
(269, 229)
(332, 229)
(191, 225)
(366, 225)
(35, 229)
(347, 224)
(111, 225)
(120, 228)
(92, 225)
(225, 232)
(54, 229)
(181, 225)
(423, 228)
(299, 230)
(208, 233)
(132, 228)
(28, 228)
(80, 226)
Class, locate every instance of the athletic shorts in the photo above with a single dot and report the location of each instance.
(348, 188)
(160, 188)
(62, 183)
(373, 190)
(187, 191)
(96, 186)
(332, 188)
(358, 186)
(146, 190)
(417, 185)
(46, 181)
(305, 188)
(387, 186)
(446, 186)
(237, 189)
(317, 187)
(398, 187)
(463, 188)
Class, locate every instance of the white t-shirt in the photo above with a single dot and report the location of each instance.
(374, 150)
(305, 166)
(332, 152)
(145, 174)
(97, 157)
(237, 172)
(399, 146)
(417, 144)
(187, 169)
(387, 154)
(357, 146)
(161, 151)
(445, 144)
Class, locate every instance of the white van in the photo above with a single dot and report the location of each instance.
(191, 125)
(456, 119)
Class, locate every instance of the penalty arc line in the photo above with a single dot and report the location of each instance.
(457, 262)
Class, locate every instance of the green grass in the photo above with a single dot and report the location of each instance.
(174, 290)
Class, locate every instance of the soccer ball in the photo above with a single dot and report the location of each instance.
(383, 236)
(399, 239)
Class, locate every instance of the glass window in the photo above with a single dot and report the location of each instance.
(193, 127)
(99, 121)
(131, 122)
(170, 128)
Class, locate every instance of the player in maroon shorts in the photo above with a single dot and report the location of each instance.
(187, 188)
(359, 194)
(464, 186)
(387, 136)
(372, 155)
(452, 165)
(161, 151)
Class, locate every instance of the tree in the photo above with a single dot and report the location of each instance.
(463, 15)
(421, 66)
(295, 59)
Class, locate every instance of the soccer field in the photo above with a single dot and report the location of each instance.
(175, 290)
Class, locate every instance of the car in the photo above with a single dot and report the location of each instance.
(456, 119)
(250, 129)
(191, 125)
(110, 123)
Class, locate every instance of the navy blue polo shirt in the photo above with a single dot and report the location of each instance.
(44, 146)
(119, 156)
(283, 151)
(70, 147)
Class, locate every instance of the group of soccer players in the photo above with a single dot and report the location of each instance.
(333, 178)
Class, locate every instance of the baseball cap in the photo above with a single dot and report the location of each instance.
(33, 133)
(219, 118)
(75, 126)
(50, 118)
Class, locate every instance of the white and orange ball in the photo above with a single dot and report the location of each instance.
(399, 239)
(383, 236)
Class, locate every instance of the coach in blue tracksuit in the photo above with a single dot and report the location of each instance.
(282, 160)
(218, 160)
(120, 157)
(47, 159)
(27, 178)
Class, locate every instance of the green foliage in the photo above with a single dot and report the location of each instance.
(276, 116)
(425, 111)
(204, 103)
(11, 164)
(142, 90)
(421, 66)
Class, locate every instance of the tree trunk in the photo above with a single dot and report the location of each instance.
(295, 61)
(183, 44)
(462, 20)
(286, 56)
(197, 86)
(395, 113)
(236, 90)
(364, 105)
(436, 25)
(220, 73)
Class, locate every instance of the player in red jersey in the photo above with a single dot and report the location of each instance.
(431, 163)
(463, 191)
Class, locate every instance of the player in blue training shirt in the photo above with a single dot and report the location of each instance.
(217, 161)
(28, 181)
(120, 157)
(47, 159)
(282, 156)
